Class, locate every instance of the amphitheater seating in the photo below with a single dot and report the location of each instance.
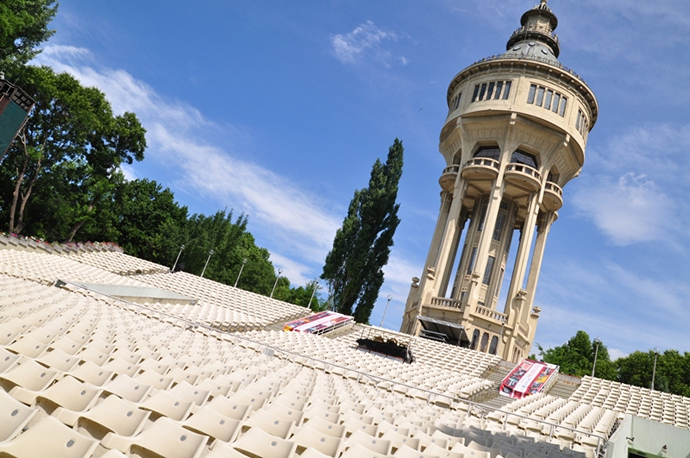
(440, 355)
(83, 374)
(222, 305)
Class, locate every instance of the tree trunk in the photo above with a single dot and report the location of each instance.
(76, 227)
(25, 197)
(15, 194)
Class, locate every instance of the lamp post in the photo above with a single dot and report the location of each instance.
(655, 350)
(210, 253)
(385, 310)
(244, 261)
(597, 342)
(313, 291)
(280, 271)
(177, 258)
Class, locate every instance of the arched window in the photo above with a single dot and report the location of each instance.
(521, 157)
(475, 339)
(553, 175)
(491, 152)
(457, 157)
(494, 345)
(485, 342)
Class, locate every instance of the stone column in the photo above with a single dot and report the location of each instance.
(525, 247)
(447, 243)
(545, 223)
(487, 233)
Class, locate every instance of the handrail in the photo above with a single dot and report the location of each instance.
(455, 168)
(525, 29)
(534, 58)
(550, 186)
(379, 379)
(522, 168)
(491, 313)
(445, 302)
(482, 161)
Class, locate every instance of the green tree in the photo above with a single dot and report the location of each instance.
(576, 357)
(672, 371)
(71, 143)
(301, 295)
(151, 224)
(231, 244)
(353, 268)
(23, 26)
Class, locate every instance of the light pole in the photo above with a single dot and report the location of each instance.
(655, 350)
(244, 261)
(177, 258)
(597, 342)
(385, 310)
(210, 253)
(313, 291)
(280, 271)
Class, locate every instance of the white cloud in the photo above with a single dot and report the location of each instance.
(366, 40)
(629, 210)
(178, 134)
(635, 186)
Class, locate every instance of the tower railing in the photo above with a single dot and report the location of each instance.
(544, 31)
(526, 169)
(491, 313)
(483, 161)
(553, 187)
(444, 302)
(455, 168)
(534, 58)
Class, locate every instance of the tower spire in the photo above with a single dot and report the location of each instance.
(537, 25)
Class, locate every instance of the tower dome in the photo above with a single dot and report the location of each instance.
(537, 28)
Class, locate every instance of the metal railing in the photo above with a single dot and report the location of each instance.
(533, 58)
(269, 349)
(542, 31)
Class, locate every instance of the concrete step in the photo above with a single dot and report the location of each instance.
(497, 401)
(565, 386)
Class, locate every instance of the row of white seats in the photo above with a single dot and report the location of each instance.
(285, 403)
(260, 308)
(438, 354)
(642, 402)
(117, 263)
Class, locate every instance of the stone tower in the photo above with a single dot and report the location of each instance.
(515, 134)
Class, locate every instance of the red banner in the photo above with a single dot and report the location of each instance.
(528, 377)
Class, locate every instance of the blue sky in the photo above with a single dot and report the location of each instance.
(279, 109)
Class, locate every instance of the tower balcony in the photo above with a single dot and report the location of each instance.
(553, 197)
(481, 168)
(523, 176)
(448, 177)
(490, 314)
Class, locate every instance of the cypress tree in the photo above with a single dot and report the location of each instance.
(353, 268)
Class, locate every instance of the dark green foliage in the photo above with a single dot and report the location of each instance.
(672, 371)
(301, 295)
(353, 268)
(23, 26)
(150, 223)
(72, 147)
(576, 357)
